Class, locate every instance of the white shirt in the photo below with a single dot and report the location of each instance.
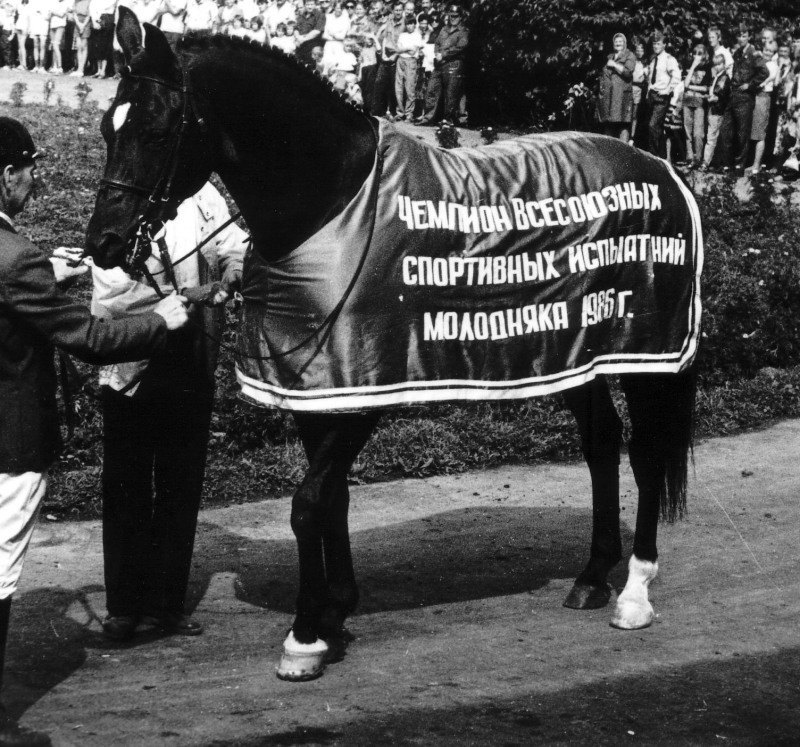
(668, 74)
(284, 43)
(146, 12)
(200, 16)
(58, 13)
(173, 23)
(409, 44)
(99, 8)
(117, 295)
(275, 14)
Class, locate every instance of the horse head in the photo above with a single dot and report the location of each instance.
(158, 150)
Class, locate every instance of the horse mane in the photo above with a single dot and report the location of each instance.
(222, 41)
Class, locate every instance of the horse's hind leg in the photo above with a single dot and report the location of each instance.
(660, 408)
(319, 520)
(601, 435)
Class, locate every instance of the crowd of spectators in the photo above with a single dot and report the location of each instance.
(402, 60)
(703, 105)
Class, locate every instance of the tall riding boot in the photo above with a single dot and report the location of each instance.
(11, 733)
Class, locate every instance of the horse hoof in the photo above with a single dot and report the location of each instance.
(588, 596)
(631, 615)
(302, 661)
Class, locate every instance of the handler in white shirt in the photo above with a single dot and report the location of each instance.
(156, 419)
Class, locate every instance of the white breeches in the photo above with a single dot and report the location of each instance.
(20, 498)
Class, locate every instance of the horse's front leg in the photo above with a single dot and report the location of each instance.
(328, 590)
(601, 436)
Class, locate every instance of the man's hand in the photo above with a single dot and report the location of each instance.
(67, 265)
(172, 310)
(73, 255)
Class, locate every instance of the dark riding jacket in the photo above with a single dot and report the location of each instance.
(35, 317)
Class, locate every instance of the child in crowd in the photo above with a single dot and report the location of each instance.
(257, 32)
(694, 105)
(237, 28)
(282, 40)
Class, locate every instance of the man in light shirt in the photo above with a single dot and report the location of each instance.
(173, 20)
(664, 74)
(200, 17)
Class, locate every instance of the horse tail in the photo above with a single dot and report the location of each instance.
(662, 409)
(678, 444)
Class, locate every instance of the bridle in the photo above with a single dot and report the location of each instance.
(151, 222)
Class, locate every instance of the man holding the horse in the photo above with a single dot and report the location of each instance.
(156, 420)
(36, 316)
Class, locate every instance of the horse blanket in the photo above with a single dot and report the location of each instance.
(515, 270)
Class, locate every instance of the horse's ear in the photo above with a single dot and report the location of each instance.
(158, 49)
(129, 33)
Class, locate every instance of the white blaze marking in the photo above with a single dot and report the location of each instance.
(120, 115)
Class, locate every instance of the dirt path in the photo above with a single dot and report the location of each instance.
(461, 636)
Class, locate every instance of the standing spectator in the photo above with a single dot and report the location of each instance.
(762, 107)
(615, 104)
(58, 22)
(200, 17)
(227, 12)
(425, 64)
(409, 46)
(337, 27)
(663, 74)
(149, 11)
(173, 22)
(719, 92)
(638, 84)
(39, 25)
(715, 46)
(749, 72)
(365, 32)
(308, 32)
(101, 40)
(279, 11)
(156, 417)
(80, 39)
(22, 28)
(384, 101)
(673, 127)
(446, 86)
(695, 96)
(7, 13)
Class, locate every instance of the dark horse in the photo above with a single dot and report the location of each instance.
(293, 155)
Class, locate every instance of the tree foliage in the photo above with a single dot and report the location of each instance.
(526, 54)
